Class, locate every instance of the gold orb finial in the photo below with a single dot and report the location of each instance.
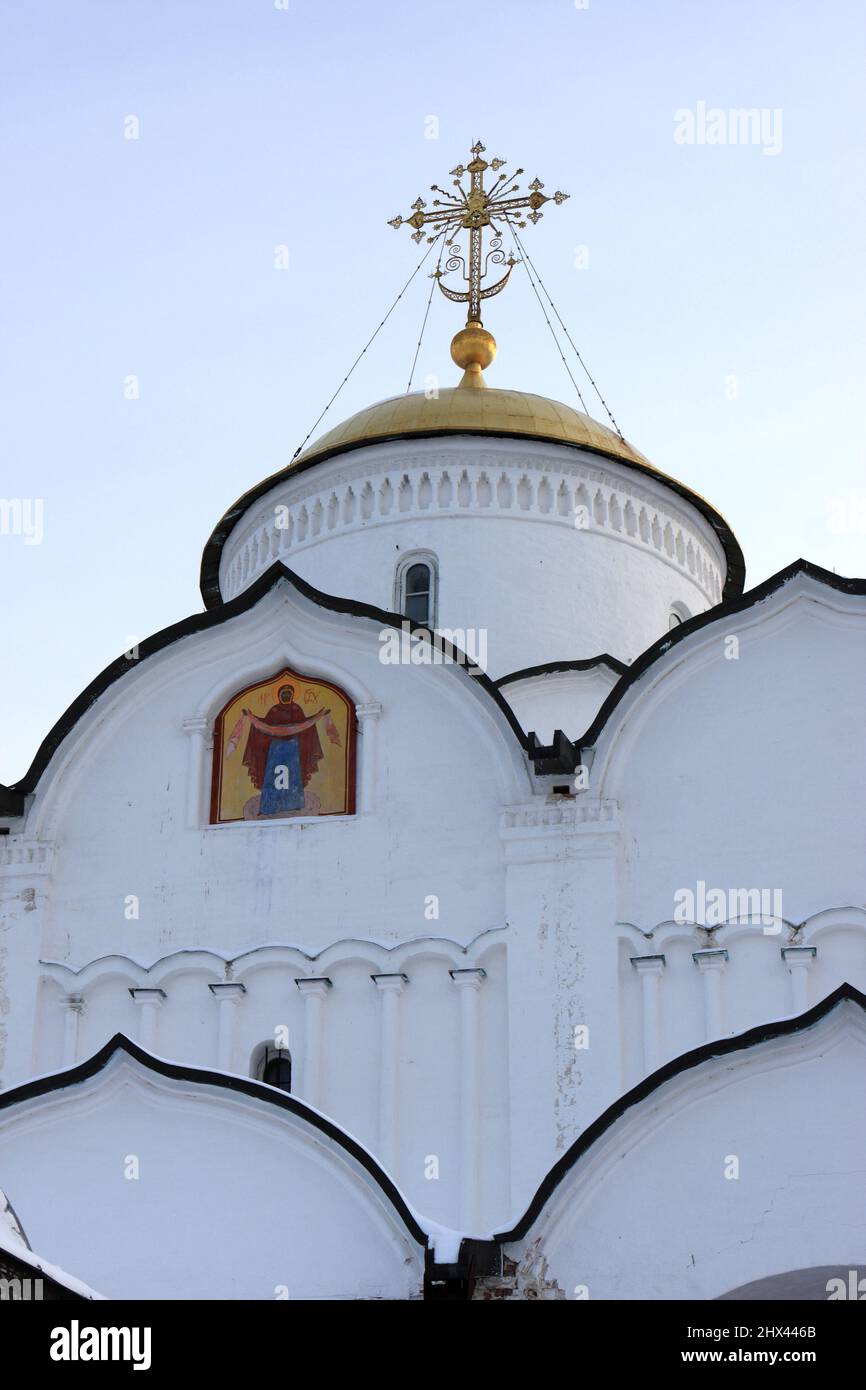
(473, 349)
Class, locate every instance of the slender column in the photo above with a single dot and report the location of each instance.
(73, 1008)
(798, 959)
(368, 717)
(390, 988)
(197, 728)
(149, 1002)
(650, 970)
(711, 963)
(469, 982)
(315, 990)
(228, 994)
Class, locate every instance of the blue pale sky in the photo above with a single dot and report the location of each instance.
(721, 308)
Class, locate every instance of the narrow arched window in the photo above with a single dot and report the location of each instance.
(419, 591)
(415, 588)
(275, 1068)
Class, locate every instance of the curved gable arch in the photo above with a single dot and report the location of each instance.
(85, 717)
(273, 1191)
(714, 1141)
(668, 663)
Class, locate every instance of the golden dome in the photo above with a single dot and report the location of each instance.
(456, 410)
(459, 410)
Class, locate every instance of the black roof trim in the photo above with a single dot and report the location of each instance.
(550, 667)
(210, 562)
(684, 630)
(722, 1047)
(12, 797)
(11, 801)
(549, 759)
(257, 1090)
(17, 1256)
(560, 756)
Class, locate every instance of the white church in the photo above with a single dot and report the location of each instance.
(470, 902)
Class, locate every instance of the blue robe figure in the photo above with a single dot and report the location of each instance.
(281, 767)
(282, 785)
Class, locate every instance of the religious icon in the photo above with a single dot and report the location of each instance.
(276, 759)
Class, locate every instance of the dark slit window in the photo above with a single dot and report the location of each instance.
(277, 1068)
(418, 593)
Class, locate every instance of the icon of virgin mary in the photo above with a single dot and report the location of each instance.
(282, 753)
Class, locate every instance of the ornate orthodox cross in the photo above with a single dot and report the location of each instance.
(475, 208)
